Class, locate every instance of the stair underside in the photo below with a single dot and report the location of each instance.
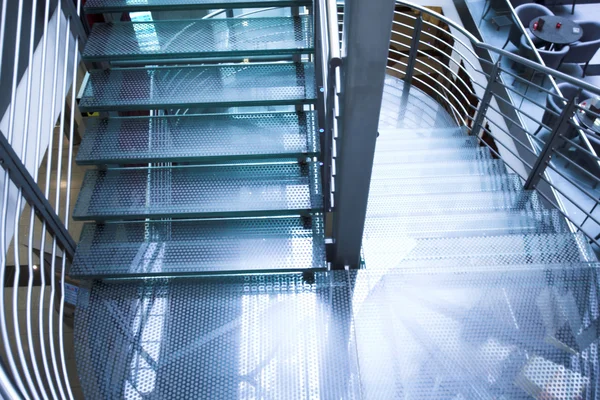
(117, 41)
(114, 250)
(198, 138)
(128, 89)
(109, 6)
(201, 191)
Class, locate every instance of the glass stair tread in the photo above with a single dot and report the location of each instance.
(477, 251)
(118, 41)
(183, 247)
(110, 6)
(389, 156)
(446, 184)
(390, 143)
(423, 133)
(128, 89)
(477, 332)
(200, 191)
(448, 203)
(131, 140)
(435, 168)
(483, 223)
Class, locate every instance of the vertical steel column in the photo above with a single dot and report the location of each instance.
(367, 32)
(487, 97)
(555, 136)
(414, 46)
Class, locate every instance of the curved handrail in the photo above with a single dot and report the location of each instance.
(514, 57)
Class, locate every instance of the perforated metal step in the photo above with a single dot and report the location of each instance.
(198, 138)
(175, 248)
(465, 224)
(215, 37)
(423, 133)
(445, 184)
(424, 156)
(109, 6)
(448, 253)
(433, 168)
(398, 143)
(471, 335)
(448, 203)
(206, 191)
(122, 89)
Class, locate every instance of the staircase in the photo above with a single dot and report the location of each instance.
(471, 287)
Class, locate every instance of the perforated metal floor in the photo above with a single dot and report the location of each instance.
(123, 89)
(199, 38)
(198, 138)
(108, 6)
(207, 191)
(369, 334)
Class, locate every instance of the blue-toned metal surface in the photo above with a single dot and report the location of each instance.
(199, 138)
(200, 191)
(123, 89)
(199, 38)
(187, 247)
(379, 333)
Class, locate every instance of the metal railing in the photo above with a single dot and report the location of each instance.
(494, 93)
(36, 154)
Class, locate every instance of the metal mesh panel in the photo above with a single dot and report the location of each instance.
(448, 203)
(196, 138)
(199, 247)
(429, 133)
(105, 6)
(479, 224)
(216, 85)
(411, 334)
(445, 184)
(445, 253)
(433, 168)
(392, 156)
(209, 191)
(274, 337)
(199, 38)
(480, 335)
(398, 142)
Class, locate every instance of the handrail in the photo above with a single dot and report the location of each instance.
(504, 53)
(334, 33)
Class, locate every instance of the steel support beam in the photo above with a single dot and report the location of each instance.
(33, 195)
(367, 32)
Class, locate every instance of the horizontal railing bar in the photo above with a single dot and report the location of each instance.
(452, 83)
(402, 24)
(566, 139)
(526, 82)
(436, 91)
(452, 47)
(507, 148)
(526, 146)
(568, 198)
(518, 124)
(542, 106)
(564, 214)
(447, 68)
(574, 183)
(405, 14)
(573, 163)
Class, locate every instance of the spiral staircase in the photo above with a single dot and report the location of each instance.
(204, 262)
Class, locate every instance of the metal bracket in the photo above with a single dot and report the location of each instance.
(555, 136)
(33, 195)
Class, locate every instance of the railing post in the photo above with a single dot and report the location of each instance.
(487, 97)
(367, 32)
(555, 136)
(414, 46)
